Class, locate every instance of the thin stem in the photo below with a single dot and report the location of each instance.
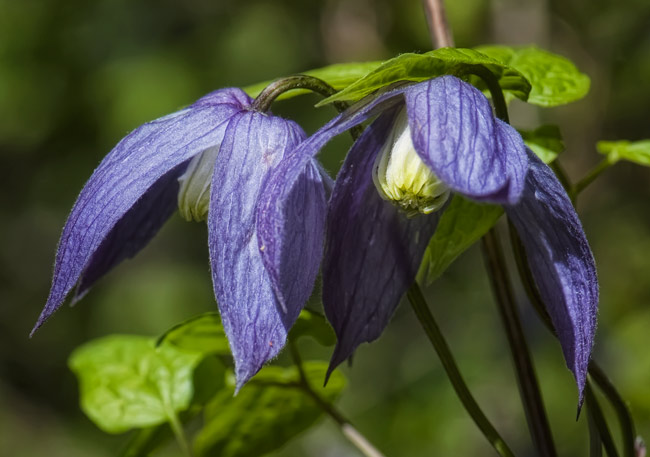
(595, 443)
(599, 419)
(352, 434)
(628, 431)
(590, 177)
(179, 433)
(434, 334)
(526, 378)
(441, 36)
(264, 100)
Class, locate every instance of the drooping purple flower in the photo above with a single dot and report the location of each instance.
(430, 139)
(211, 160)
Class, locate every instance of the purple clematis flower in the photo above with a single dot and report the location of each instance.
(430, 139)
(211, 161)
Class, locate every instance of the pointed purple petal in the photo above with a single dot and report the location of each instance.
(561, 261)
(134, 231)
(122, 178)
(252, 315)
(457, 136)
(282, 180)
(373, 250)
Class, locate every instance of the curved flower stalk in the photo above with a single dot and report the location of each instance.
(211, 159)
(373, 250)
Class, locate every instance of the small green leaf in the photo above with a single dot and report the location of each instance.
(338, 76)
(315, 325)
(203, 333)
(462, 224)
(420, 67)
(633, 151)
(555, 80)
(126, 382)
(545, 141)
(266, 413)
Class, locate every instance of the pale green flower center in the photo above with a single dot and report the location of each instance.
(194, 191)
(401, 176)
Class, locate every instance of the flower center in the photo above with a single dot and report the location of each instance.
(401, 176)
(194, 191)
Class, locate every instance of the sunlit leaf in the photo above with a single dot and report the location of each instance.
(633, 151)
(545, 141)
(266, 413)
(126, 382)
(555, 80)
(338, 76)
(462, 224)
(420, 67)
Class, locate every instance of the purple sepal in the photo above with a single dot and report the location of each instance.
(456, 134)
(255, 319)
(124, 176)
(561, 262)
(373, 250)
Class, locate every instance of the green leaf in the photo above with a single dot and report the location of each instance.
(545, 141)
(338, 76)
(462, 224)
(420, 67)
(312, 324)
(555, 80)
(266, 413)
(633, 151)
(203, 333)
(125, 382)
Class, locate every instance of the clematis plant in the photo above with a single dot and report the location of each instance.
(430, 139)
(211, 160)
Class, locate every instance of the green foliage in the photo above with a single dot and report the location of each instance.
(633, 151)
(462, 224)
(203, 333)
(338, 76)
(313, 324)
(555, 80)
(126, 382)
(267, 412)
(545, 141)
(420, 67)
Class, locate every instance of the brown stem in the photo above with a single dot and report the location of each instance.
(441, 36)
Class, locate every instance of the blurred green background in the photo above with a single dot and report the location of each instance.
(76, 76)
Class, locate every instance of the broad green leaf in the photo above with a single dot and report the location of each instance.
(338, 76)
(126, 382)
(203, 333)
(633, 151)
(266, 413)
(419, 67)
(315, 325)
(545, 141)
(462, 223)
(555, 80)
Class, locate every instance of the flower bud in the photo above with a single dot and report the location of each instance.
(194, 191)
(401, 176)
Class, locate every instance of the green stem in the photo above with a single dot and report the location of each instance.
(352, 434)
(628, 431)
(595, 443)
(590, 177)
(179, 433)
(432, 331)
(528, 387)
(599, 419)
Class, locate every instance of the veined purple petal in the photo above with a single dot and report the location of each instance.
(124, 176)
(373, 250)
(252, 315)
(282, 180)
(455, 133)
(561, 262)
(134, 231)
